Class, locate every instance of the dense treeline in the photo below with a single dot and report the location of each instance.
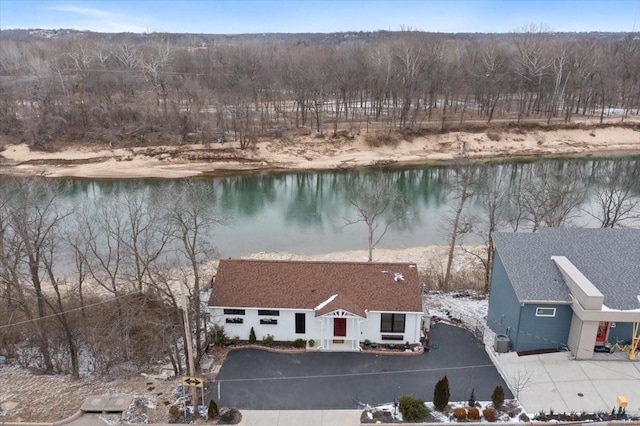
(161, 88)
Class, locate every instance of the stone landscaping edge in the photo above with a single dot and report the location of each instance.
(303, 350)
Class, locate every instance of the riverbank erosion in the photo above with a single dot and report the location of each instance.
(308, 151)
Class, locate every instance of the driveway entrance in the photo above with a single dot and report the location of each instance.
(259, 380)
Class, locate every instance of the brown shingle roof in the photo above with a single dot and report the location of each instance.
(272, 284)
(344, 303)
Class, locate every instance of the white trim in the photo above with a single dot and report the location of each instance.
(339, 313)
(325, 303)
(538, 314)
(261, 308)
(366, 310)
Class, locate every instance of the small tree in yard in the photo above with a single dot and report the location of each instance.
(520, 382)
(412, 408)
(252, 336)
(213, 411)
(497, 397)
(441, 394)
(217, 335)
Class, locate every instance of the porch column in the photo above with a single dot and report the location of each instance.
(353, 331)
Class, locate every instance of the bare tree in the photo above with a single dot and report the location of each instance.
(520, 382)
(531, 66)
(154, 64)
(32, 229)
(551, 197)
(409, 59)
(190, 209)
(615, 190)
(494, 185)
(460, 224)
(376, 204)
(145, 236)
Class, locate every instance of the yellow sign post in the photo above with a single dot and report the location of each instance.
(196, 382)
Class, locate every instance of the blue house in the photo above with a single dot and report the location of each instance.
(566, 288)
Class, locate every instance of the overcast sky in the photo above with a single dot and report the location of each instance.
(267, 16)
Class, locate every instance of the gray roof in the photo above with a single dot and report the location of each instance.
(609, 258)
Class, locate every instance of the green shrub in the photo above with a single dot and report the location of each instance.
(441, 394)
(460, 414)
(473, 413)
(229, 416)
(497, 397)
(252, 336)
(299, 343)
(267, 340)
(212, 411)
(217, 336)
(489, 414)
(412, 408)
(312, 343)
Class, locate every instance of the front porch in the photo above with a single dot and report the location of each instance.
(339, 332)
(341, 346)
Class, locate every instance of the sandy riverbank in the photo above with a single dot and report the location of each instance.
(425, 257)
(313, 153)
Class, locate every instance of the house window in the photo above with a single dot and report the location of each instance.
(392, 337)
(234, 311)
(392, 323)
(269, 321)
(545, 312)
(300, 323)
(234, 320)
(269, 313)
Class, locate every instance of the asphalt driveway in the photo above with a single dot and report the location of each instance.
(260, 380)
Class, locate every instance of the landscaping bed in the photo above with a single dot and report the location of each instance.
(511, 411)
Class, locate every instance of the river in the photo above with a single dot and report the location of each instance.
(307, 213)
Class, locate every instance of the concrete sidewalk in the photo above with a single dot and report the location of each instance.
(556, 381)
(301, 417)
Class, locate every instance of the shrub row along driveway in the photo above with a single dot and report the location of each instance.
(260, 380)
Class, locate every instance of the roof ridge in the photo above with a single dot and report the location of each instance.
(348, 262)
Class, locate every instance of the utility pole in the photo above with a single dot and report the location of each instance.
(187, 333)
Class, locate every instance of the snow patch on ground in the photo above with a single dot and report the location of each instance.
(511, 412)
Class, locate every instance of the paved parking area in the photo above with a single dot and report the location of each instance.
(259, 380)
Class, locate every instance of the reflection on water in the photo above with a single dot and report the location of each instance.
(306, 212)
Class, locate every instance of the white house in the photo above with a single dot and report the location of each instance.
(337, 304)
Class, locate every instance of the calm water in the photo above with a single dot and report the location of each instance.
(307, 213)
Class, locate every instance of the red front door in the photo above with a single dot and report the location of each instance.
(601, 337)
(340, 327)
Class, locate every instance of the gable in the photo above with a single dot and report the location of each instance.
(322, 286)
(339, 302)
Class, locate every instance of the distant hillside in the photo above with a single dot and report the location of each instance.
(321, 39)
